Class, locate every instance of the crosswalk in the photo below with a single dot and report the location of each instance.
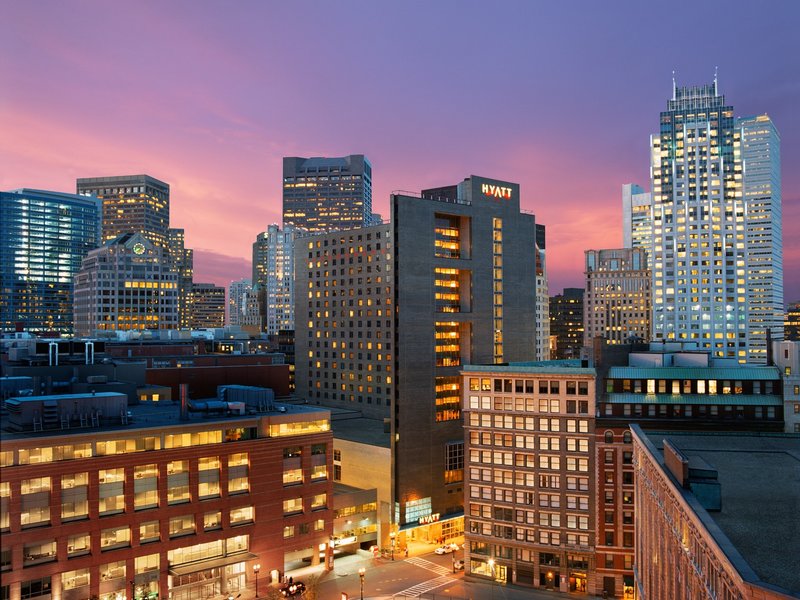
(430, 566)
(425, 586)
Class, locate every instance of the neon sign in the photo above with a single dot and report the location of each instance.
(429, 519)
(496, 191)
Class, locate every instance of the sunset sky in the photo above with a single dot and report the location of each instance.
(209, 96)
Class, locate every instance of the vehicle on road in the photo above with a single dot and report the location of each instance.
(444, 549)
(290, 590)
(454, 546)
(458, 565)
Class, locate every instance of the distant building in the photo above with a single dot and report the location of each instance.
(131, 204)
(182, 261)
(243, 305)
(45, 237)
(208, 306)
(637, 216)
(542, 297)
(327, 194)
(274, 277)
(791, 322)
(786, 356)
(136, 502)
(126, 284)
(701, 527)
(566, 323)
(529, 453)
(617, 301)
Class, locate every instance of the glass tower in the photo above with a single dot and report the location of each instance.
(45, 236)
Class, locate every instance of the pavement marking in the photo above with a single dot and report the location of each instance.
(430, 566)
(426, 586)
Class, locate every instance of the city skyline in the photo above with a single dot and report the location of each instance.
(427, 94)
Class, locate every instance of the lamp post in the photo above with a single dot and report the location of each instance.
(256, 569)
(361, 572)
(491, 569)
(391, 536)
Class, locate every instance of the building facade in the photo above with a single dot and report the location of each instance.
(529, 433)
(45, 237)
(274, 277)
(791, 322)
(243, 306)
(344, 353)
(786, 357)
(126, 284)
(131, 204)
(715, 249)
(542, 297)
(208, 306)
(326, 194)
(172, 509)
(464, 267)
(616, 305)
(637, 216)
(182, 259)
(566, 323)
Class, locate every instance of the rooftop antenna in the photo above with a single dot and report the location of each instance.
(716, 89)
(673, 84)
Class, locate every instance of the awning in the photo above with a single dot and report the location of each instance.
(412, 525)
(212, 563)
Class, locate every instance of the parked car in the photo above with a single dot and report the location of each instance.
(458, 565)
(290, 590)
(444, 549)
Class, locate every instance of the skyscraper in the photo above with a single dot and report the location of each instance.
(326, 194)
(243, 305)
(542, 298)
(715, 250)
(45, 236)
(131, 204)
(182, 259)
(273, 277)
(637, 206)
(208, 305)
(566, 323)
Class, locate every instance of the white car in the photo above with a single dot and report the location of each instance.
(454, 546)
(444, 549)
(458, 565)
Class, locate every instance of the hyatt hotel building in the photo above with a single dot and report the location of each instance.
(387, 316)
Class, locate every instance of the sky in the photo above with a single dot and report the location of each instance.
(560, 97)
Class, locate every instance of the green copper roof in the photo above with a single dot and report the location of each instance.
(719, 373)
(708, 399)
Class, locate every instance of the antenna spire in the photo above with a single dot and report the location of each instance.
(673, 84)
(716, 88)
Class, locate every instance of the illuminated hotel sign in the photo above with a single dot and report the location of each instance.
(429, 519)
(496, 191)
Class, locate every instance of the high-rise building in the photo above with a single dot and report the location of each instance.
(208, 306)
(761, 176)
(326, 194)
(637, 217)
(243, 305)
(715, 248)
(616, 304)
(566, 323)
(182, 260)
(542, 298)
(45, 236)
(131, 204)
(126, 284)
(273, 277)
(791, 323)
(396, 310)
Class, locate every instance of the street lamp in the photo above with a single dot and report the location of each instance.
(361, 572)
(256, 569)
(550, 579)
(391, 536)
(491, 569)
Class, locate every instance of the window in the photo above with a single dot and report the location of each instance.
(319, 501)
(608, 437)
(115, 537)
(74, 496)
(212, 520)
(145, 486)
(208, 469)
(243, 514)
(38, 552)
(112, 570)
(181, 525)
(238, 469)
(178, 482)
(35, 502)
(78, 545)
(149, 532)
(74, 579)
(35, 588)
(292, 506)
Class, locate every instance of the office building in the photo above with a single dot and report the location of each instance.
(791, 322)
(182, 260)
(131, 204)
(274, 277)
(658, 386)
(616, 305)
(530, 475)
(716, 515)
(786, 357)
(566, 323)
(344, 354)
(326, 194)
(542, 298)
(208, 306)
(136, 502)
(243, 305)
(45, 237)
(637, 217)
(126, 284)
(715, 249)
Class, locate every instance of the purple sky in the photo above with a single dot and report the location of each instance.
(560, 97)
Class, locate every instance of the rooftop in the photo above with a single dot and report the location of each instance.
(351, 426)
(544, 367)
(758, 527)
(729, 373)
